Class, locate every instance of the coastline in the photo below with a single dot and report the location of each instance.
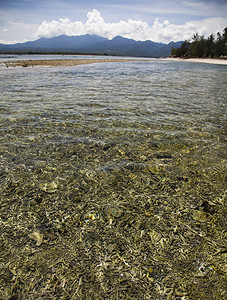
(59, 62)
(75, 62)
(199, 60)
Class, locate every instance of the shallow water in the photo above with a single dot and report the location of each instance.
(119, 168)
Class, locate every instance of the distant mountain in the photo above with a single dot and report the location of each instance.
(92, 44)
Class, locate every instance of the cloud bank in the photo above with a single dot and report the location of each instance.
(135, 29)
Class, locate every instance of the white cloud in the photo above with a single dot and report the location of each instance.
(138, 30)
(5, 42)
(12, 32)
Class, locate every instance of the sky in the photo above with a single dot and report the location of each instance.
(156, 20)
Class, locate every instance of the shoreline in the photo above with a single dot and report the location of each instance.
(60, 62)
(75, 62)
(198, 60)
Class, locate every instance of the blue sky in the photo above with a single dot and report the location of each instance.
(156, 20)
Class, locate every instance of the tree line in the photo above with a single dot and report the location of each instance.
(211, 47)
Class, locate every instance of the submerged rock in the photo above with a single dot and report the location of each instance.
(200, 216)
(37, 237)
(50, 187)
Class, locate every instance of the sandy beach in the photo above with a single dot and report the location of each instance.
(75, 62)
(200, 60)
(59, 62)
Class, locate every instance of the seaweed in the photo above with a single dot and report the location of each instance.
(86, 213)
(113, 227)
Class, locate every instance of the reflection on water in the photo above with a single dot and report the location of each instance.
(112, 181)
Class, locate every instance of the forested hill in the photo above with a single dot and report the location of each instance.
(212, 47)
(92, 44)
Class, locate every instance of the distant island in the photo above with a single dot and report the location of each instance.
(204, 48)
(91, 45)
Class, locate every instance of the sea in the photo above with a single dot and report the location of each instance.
(113, 180)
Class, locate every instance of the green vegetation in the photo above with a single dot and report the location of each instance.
(42, 52)
(201, 47)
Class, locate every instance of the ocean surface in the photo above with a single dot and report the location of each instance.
(112, 180)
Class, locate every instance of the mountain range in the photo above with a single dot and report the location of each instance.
(92, 44)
